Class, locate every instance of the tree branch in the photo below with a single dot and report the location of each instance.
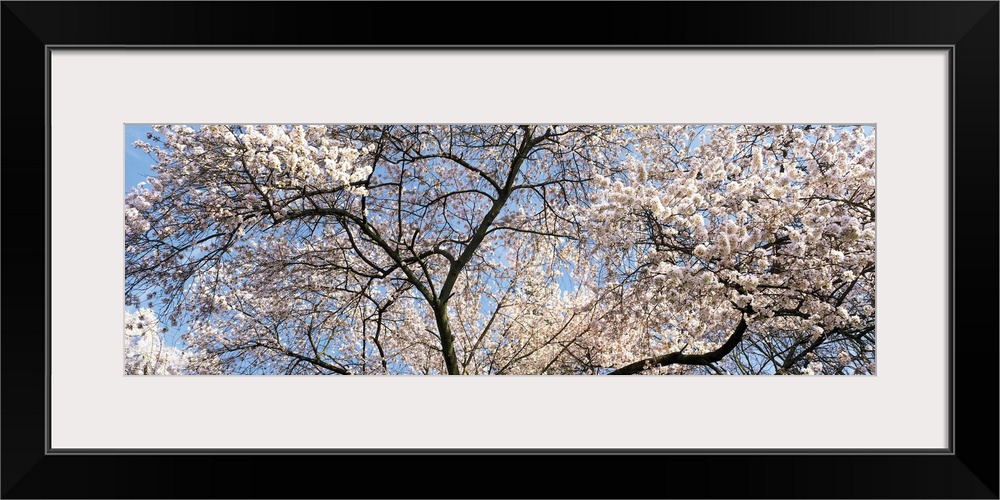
(679, 358)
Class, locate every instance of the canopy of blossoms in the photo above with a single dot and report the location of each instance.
(503, 249)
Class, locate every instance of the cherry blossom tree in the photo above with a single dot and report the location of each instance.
(496, 249)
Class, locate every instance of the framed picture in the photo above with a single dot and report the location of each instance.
(922, 75)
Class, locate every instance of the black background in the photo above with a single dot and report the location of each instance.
(971, 472)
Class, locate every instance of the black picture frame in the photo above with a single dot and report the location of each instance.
(968, 470)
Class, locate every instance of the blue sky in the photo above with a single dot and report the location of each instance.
(136, 161)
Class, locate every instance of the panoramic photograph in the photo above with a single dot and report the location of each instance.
(499, 249)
